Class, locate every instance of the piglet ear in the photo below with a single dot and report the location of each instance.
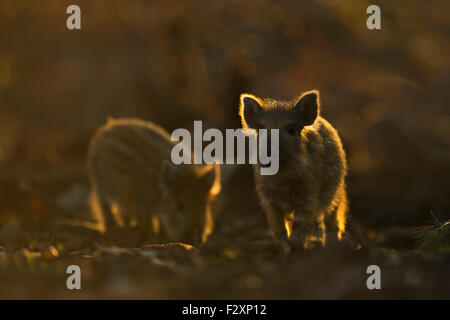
(308, 107)
(249, 110)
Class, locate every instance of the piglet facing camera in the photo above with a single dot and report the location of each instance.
(309, 187)
(135, 183)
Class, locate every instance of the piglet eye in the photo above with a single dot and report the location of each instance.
(292, 130)
(259, 127)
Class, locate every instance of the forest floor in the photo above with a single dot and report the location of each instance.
(240, 260)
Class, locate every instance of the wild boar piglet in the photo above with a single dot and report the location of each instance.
(310, 183)
(135, 183)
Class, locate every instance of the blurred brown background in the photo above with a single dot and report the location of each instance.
(173, 62)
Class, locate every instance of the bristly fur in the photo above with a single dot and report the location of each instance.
(134, 182)
(310, 184)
